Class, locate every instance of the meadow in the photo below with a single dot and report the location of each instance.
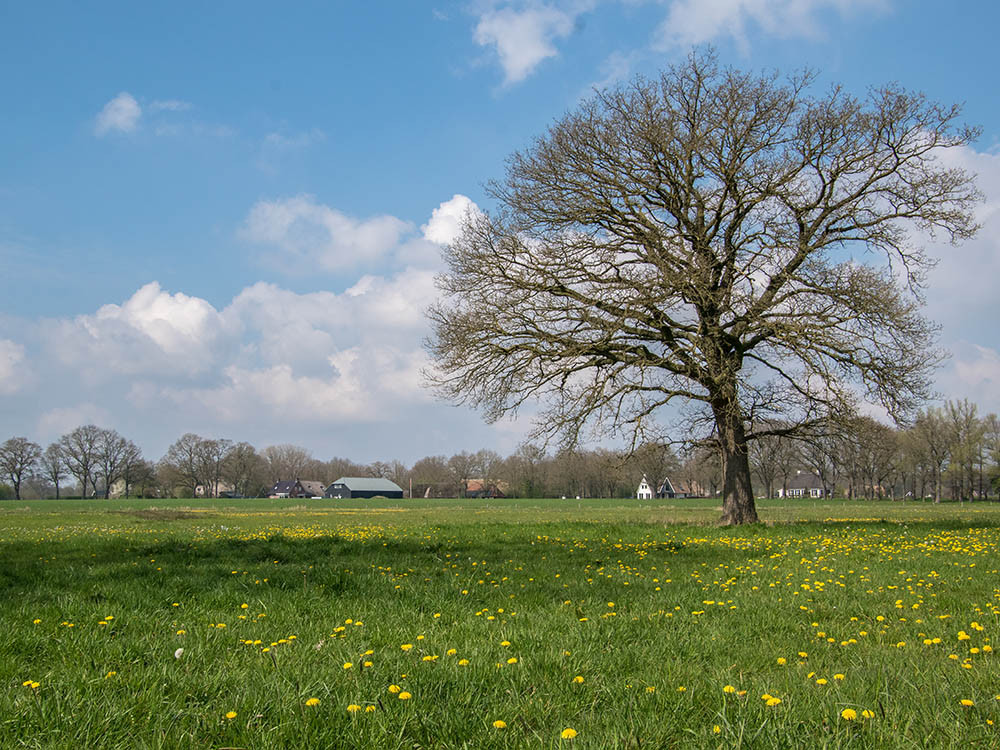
(498, 624)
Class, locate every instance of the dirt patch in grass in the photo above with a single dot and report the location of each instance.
(161, 514)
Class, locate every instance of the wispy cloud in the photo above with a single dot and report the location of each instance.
(120, 115)
(690, 22)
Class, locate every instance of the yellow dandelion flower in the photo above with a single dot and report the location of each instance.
(463, 662)
(367, 664)
(867, 714)
(394, 689)
(504, 643)
(512, 660)
(782, 661)
(681, 688)
(348, 665)
(451, 651)
(406, 646)
(568, 733)
(499, 724)
(849, 714)
(312, 702)
(369, 709)
(821, 681)
(404, 696)
(838, 676)
(578, 679)
(230, 714)
(772, 701)
(729, 689)
(966, 702)
(354, 707)
(716, 729)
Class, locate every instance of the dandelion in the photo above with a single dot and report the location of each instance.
(504, 643)
(499, 724)
(838, 676)
(348, 665)
(782, 661)
(369, 709)
(681, 688)
(512, 660)
(867, 714)
(353, 708)
(230, 714)
(848, 714)
(772, 701)
(716, 729)
(313, 702)
(578, 679)
(451, 651)
(110, 674)
(394, 689)
(463, 662)
(729, 689)
(821, 681)
(404, 696)
(406, 646)
(967, 703)
(568, 733)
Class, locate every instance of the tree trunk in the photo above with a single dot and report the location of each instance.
(738, 505)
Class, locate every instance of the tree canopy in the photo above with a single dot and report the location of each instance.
(735, 242)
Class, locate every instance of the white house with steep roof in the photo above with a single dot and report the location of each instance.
(645, 492)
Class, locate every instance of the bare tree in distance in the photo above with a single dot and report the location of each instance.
(133, 467)
(18, 459)
(245, 469)
(53, 464)
(80, 451)
(738, 244)
(286, 461)
(111, 450)
(183, 464)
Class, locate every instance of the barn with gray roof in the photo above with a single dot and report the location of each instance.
(351, 487)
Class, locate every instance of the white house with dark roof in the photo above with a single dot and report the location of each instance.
(803, 484)
(296, 488)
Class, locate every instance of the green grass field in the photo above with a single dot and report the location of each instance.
(430, 623)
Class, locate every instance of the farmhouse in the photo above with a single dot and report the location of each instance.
(296, 488)
(482, 488)
(803, 484)
(348, 487)
(671, 489)
(645, 492)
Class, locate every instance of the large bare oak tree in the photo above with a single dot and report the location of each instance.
(740, 243)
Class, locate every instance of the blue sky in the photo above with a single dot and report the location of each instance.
(224, 217)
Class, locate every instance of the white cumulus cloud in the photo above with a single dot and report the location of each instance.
(308, 234)
(523, 38)
(121, 115)
(446, 219)
(152, 330)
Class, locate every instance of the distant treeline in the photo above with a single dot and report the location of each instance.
(947, 452)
